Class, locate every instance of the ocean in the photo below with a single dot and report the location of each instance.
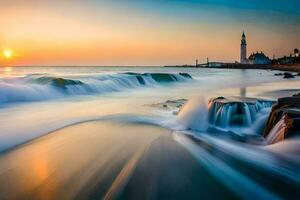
(36, 102)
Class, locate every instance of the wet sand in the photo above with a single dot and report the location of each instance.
(106, 160)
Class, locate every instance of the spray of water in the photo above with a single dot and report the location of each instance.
(193, 115)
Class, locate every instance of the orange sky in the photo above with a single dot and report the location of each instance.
(111, 34)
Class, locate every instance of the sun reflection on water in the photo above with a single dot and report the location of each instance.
(6, 71)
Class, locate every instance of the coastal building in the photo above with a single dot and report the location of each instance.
(259, 59)
(254, 58)
(243, 59)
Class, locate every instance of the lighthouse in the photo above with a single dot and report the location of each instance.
(243, 49)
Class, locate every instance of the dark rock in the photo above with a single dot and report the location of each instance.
(278, 74)
(170, 104)
(288, 75)
(235, 111)
(284, 119)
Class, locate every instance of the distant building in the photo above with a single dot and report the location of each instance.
(243, 59)
(254, 58)
(259, 59)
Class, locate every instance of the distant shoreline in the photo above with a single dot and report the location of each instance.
(290, 67)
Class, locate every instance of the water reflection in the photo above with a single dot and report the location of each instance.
(243, 91)
(5, 71)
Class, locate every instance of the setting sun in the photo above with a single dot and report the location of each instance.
(7, 54)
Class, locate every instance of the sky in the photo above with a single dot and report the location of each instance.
(144, 32)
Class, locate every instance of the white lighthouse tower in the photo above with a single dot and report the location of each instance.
(243, 49)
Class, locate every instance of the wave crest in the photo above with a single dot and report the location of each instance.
(43, 87)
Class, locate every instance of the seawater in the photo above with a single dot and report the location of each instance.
(35, 101)
(42, 99)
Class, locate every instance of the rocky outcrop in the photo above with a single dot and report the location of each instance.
(170, 105)
(235, 111)
(284, 119)
(286, 75)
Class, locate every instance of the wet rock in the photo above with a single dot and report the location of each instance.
(235, 111)
(284, 119)
(288, 75)
(170, 105)
(278, 74)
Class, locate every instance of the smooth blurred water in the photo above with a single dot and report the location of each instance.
(40, 107)
(35, 101)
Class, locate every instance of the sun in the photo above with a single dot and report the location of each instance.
(7, 53)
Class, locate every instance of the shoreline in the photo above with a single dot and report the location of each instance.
(291, 68)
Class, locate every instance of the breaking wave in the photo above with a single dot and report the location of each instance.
(37, 87)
